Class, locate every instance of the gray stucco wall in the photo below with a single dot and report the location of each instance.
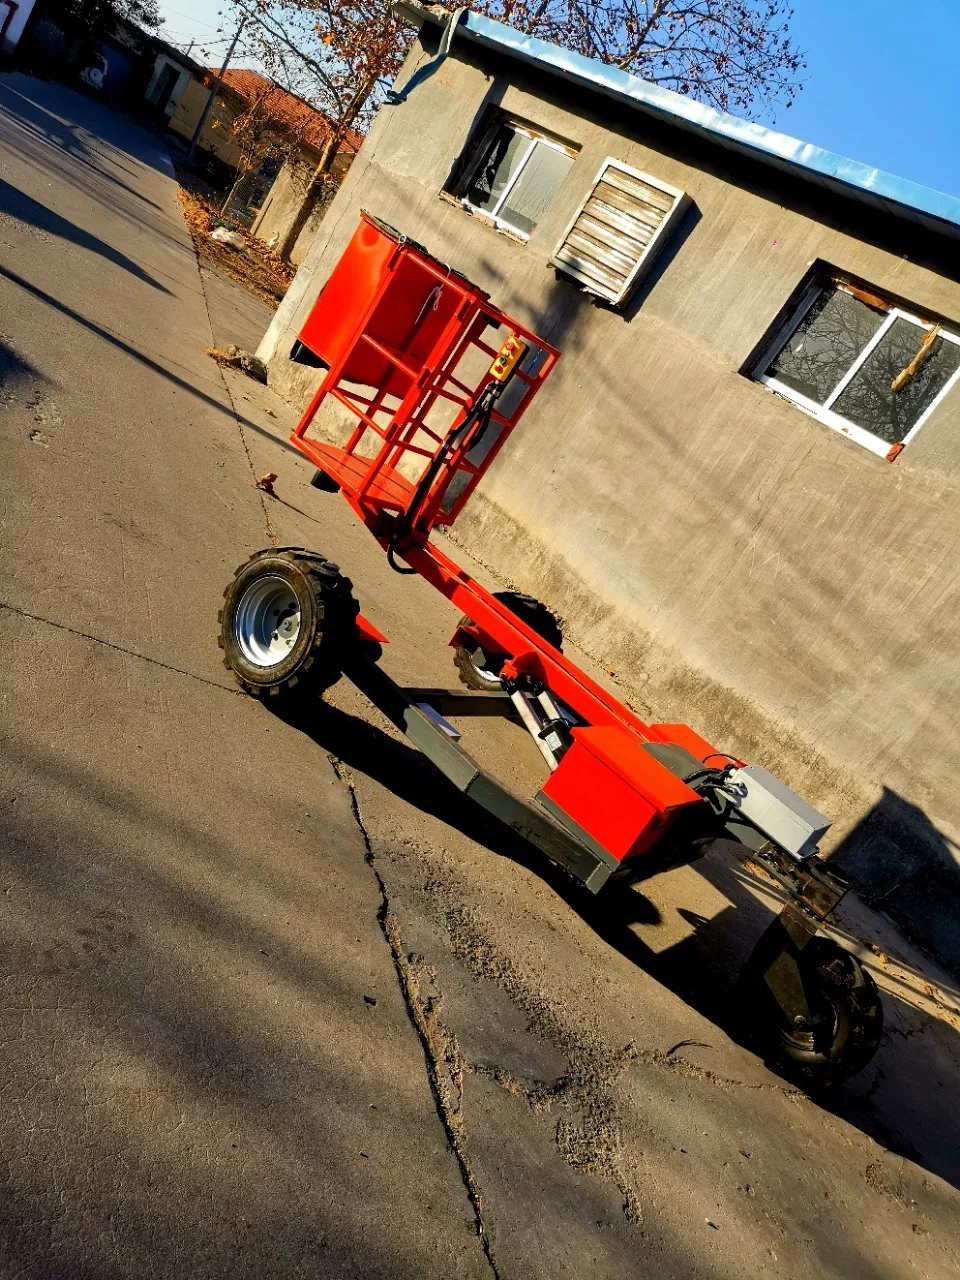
(735, 563)
(283, 201)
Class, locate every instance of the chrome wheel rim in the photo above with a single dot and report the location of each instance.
(267, 622)
(481, 663)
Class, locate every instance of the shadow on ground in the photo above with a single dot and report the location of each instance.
(15, 372)
(189, 385)
(900, 1100)
(120, 137)
(895, 856)
(17, 204)
(173, 1040)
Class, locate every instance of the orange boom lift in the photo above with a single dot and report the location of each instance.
(425, 381)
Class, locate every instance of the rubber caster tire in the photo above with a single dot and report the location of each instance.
(847, 1017)
(287, 623)
(325, 483)
(479, 669)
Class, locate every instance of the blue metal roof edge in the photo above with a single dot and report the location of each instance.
(743, 134)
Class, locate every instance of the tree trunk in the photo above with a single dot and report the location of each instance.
(311, 197)
(322, 172)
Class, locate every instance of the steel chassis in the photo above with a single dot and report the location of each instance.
(813, 890)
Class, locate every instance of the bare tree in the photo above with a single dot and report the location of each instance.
(87, 22)
(729, 53)
(342, 54)
(261, 130)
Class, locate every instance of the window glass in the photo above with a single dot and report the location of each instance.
(825, 344)
(516, 177)
(846, 357)
(868, 399)
(496, 169)
(535, 188)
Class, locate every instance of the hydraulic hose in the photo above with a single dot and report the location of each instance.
(479, 415)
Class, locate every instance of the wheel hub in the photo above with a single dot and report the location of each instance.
(821, 1028)
(486, 665)
(267, 621)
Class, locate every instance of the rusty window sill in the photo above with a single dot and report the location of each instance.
(483, 218)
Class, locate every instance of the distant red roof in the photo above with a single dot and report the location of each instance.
(286, 108)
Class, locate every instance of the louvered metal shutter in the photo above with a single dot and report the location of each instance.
(619, 229)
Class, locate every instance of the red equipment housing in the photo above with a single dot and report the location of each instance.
(407, 342)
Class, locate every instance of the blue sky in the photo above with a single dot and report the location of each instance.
(882, 83)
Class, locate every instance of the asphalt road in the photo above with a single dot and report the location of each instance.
(274, 1002)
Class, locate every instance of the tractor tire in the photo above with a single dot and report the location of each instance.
(288, 620)
(481, 670)
(847, 1018)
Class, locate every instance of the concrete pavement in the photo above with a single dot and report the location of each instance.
(208, 1065)
(276, 1003)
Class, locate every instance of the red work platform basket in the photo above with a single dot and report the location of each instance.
(409, 344)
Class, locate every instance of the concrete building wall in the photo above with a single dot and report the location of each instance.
(734, 562)
(282, 203)
(215, 136)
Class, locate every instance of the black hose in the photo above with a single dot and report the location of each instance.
(397, 568)
(481, 412)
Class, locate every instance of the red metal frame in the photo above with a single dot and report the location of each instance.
(605, 784)
(375, 485)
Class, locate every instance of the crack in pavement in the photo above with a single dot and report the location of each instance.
(118, 648)
(540, 1093)
(441, 1050)
(581, 1101)
(683, 1067)
(589, 1132)
(588, 1135)
(271, 532)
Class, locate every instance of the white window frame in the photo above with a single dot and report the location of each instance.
(534, 139)
(681, 202)
(823, 412)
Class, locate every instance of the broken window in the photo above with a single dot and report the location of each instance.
(514, 175)
(862, 365)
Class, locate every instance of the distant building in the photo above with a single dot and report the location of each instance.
(278, 188)
(172, 72)
(131, 67)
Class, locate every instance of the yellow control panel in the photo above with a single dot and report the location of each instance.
(512, 351)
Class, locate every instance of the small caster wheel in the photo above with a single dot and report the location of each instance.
(325, 483)
(845, 1022)
(481, 670)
